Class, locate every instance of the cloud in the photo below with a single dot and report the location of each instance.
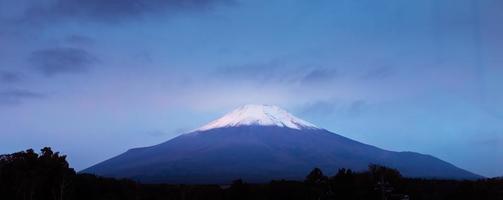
(321, 108)
(109, 10)
(496, 141)
(79, 40)
(330, 107)
(55, 61)
(17, 96)
(379, 73)
(156, 133)
(279, 72)
(357, 107)
(9, 77)
(320, 75)
(261, 72)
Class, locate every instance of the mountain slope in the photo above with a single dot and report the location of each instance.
(261, 147)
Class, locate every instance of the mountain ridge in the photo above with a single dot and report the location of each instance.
(261, 149)
(275, 153)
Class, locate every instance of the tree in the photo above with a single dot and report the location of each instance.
(343, 184)
(27, 175)
(317, 184)
(239, 190)
(385, 174)
(384, 178)
(316, 176)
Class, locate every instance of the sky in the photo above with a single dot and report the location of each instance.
(93, 78)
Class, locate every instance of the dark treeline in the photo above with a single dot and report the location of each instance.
(30, 176)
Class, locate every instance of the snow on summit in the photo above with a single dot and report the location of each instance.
(262, 115)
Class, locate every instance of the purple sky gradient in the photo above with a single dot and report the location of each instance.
(95, 78)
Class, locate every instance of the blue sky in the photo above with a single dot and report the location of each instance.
(94, 78)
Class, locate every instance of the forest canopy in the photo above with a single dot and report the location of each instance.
(28, 175)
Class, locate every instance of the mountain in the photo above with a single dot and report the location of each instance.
(259, 143)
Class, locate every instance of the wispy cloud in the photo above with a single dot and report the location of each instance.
(490, 142)
(79, 39)
(280, 72)
(322, 108)
(109, 10)
(330, 107)
(379, 72)
(317, 75)
(9, 77)
(262, 71)
(17, 96)
(156, 133)
(55, 61)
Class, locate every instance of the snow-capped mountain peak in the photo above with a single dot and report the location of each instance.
(261, 115)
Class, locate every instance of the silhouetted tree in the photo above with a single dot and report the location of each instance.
(239, 190)
(26, 175)
(318, 184)
(316, 176)
(342, 185)
(384, 178)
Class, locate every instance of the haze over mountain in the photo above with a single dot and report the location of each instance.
(259, 143)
